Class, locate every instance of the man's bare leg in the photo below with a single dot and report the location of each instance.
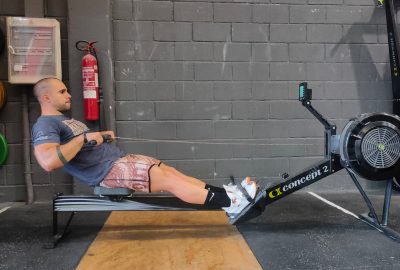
(187, 178)
(165, 179)
(191, 190)
(193, 180)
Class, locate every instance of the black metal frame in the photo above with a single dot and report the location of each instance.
(329, 165)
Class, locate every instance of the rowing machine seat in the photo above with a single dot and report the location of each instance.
(103, 191)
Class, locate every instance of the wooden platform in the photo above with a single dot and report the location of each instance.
(169, 240)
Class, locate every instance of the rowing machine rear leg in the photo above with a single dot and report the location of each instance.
(56, 238)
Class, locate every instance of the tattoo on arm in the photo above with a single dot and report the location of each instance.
(60, 155)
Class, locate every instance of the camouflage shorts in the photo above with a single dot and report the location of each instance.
(131, 171)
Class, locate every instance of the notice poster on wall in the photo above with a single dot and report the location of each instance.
(34, 50)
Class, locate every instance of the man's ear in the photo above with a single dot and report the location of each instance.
(45, 98)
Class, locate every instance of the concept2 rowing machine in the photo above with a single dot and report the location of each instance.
(369, 146)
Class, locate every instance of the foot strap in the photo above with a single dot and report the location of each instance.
(243, 190)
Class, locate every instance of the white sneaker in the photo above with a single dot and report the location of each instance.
(238, 200)
(250, 186)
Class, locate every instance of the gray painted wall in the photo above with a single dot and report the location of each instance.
(201, 70)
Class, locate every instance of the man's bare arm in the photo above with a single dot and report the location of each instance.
(48, 158)
(52, 156)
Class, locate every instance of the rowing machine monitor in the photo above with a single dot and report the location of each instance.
(305, 94)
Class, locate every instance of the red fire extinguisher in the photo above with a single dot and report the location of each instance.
(90, 80)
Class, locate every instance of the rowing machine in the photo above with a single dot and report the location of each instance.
(369, 146)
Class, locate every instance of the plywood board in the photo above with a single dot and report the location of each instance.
(169, 240)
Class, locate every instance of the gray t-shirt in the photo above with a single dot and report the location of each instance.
(92, 163)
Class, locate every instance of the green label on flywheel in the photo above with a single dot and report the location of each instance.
(381, 147)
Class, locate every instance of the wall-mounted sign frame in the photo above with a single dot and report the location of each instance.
(34, 50)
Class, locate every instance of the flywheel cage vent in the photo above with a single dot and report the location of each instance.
(380, 147)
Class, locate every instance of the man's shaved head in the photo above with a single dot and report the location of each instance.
(52, 95)
(42, 86)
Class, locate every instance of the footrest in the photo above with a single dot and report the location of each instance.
(251, 211)
(103, 191)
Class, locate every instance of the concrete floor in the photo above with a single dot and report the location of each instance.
(301, 232)
(298, 232)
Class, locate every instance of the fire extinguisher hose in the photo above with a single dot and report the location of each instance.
(87, 46)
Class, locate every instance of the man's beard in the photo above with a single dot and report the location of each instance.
(63, 109)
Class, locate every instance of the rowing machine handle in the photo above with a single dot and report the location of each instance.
(106, 139)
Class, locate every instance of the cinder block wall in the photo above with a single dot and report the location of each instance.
(12, 185)
(218, 70)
